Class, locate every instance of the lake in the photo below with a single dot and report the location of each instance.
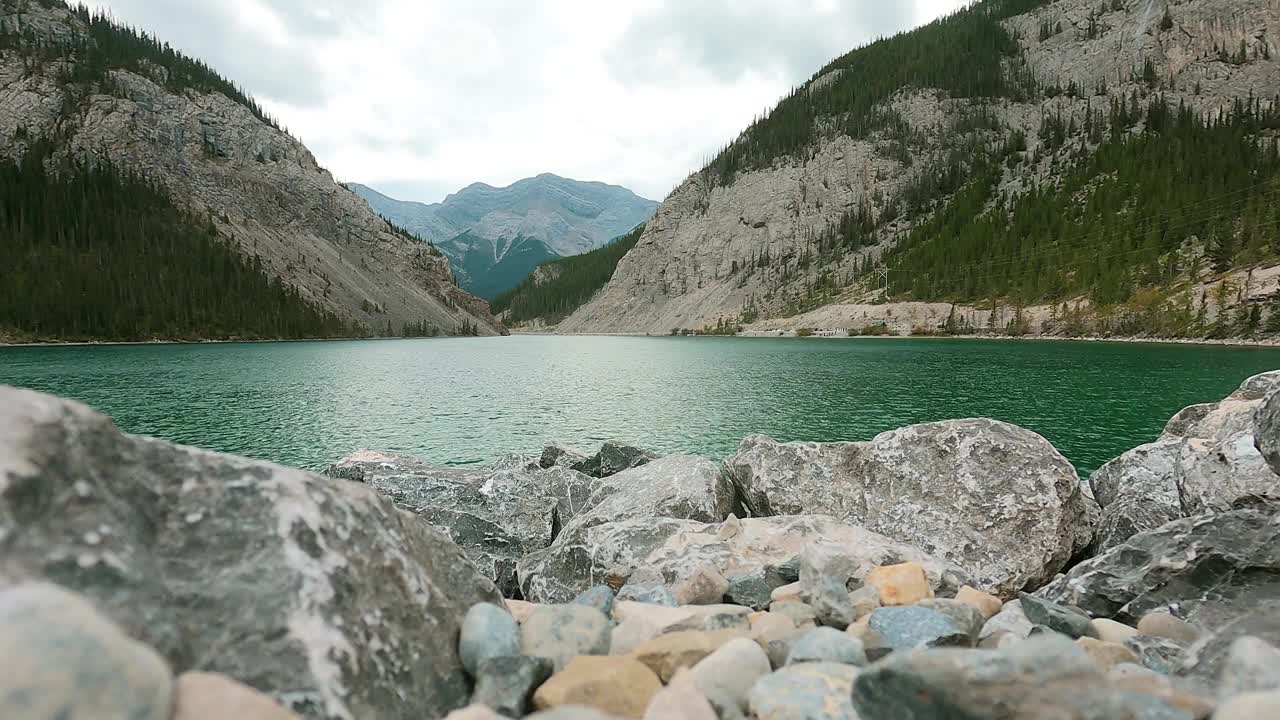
(469, 400)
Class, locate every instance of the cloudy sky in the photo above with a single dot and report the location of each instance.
(419, 98)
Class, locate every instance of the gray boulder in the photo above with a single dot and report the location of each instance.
(613, 458)
(993, 498)
(583, 557)
(680, 486)
(333, 595)
(1267, 430)
(557, 455)
(1209, 569)
(1206, 460)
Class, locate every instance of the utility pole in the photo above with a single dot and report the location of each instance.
(881, 276)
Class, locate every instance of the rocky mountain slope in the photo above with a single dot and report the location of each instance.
(101, 94)
(494, 237)
(852, 199)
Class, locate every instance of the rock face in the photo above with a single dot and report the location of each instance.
(333, 596)
(1207, 460)
(993, 498)
(257, 183)
(1208, 569)
(581, 558)
(496, 513)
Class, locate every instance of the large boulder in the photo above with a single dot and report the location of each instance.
(1267, 430)
(677, 549)
(1208, 569)
(680, 486)
(994, 498)
(611, 459)
(320, 593)
(1206, 460)
(496, 513)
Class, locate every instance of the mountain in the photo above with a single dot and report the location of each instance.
(144, 196)
(1072, 167)
(492, 235)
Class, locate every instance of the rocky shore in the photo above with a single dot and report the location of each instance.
(958, 569)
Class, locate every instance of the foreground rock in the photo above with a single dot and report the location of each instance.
(676, 548)
(1211, 568)
(619, 686)
(62, 659)
(496, 513)
(815, 690)
(990, 497)
(208, 696)
(1206, 460)
(339, 595)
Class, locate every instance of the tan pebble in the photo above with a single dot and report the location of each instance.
(766, 627)
(621, 686)
(668, 653)
(903, 584)
(1106, 654)
(1164, 625)
(786, 592)
(1159, 686)
(706, 586)
(521, 610)
(1251, 706)
(682, 699)
(858, 630)
(1112, 631)
(472, 712)
(989, 605)
(210, 696)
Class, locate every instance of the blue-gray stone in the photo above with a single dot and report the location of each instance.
(753, 589)
(652, 595)
(563, 632)
(488, 631)
(825, 644)
(807, 691)
(909, 627)
(506, 684)
(1059, 618)
(1159, 654)
(600, 597)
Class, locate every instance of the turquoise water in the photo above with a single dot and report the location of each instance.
(469, 400)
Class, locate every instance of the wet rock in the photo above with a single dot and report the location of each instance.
(727, 675)
(1251, 665)
(675, 548)
(506, 684)
(1159, 655)
(600, 597)
(706, 586)
(825, 644)
(176, 545)
(813, 691)
(1165, 625)
(619, 686)
(649, 595)
(1107, 654)
(62, 659)
(1038, 678)
(667, 653)
(614, 458)
(209, 696)
(903, 584)
(896, 629)
(1211, 568)
(1056, 617)
(487, 631)
(753, 589)
(681, 699)
(562, 632)
(986, 603)
(993, 498)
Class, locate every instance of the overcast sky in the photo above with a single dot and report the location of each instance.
(420, 98)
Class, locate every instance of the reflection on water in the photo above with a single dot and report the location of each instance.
(469, 400)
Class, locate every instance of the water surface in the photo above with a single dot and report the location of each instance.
(470, 400)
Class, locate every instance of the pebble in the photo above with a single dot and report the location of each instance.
(727, 675)
(752, 589)
(1107, 654)
(562, 632)
(62, 659)
(210, 696)
(903, 584)
(1112, 631)
(600, 597)
(989, 605)
(1164, 625)
(1250, 706)
(521, 610)
(706, 586)
(864, 600)
(667, 653)
(621, 686)
(506, 684)
(1159, 654)
(571, 712)
(785, 593)
(831, 604)
(660, 595)
(681, 699)
(1252, 665)
(824, 577)
(1010, 619)
(808, 691)
(894, 629)
(968, 617)
(487, 631)
(826, 644)
(766, 626)
(471, 712)
(1059, 618)
(801, 614)
(726, 621)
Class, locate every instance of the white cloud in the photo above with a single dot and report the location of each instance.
(422, 97)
